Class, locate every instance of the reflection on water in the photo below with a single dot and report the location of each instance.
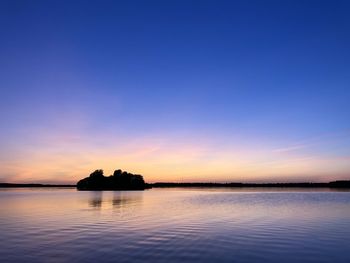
(96, 199)
(172, 225)
(115, 199)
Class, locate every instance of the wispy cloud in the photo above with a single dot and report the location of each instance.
(291, 148)
(311, 142)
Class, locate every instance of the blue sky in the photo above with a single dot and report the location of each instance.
(175, 90)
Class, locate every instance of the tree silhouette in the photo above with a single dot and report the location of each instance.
(118, 181)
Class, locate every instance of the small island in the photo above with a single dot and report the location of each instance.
(120, 180)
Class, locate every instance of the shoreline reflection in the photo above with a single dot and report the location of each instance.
(114, 199)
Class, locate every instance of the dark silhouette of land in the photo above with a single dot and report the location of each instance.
(334, 184)
(118, 181)
(10, 185)
(126, 181)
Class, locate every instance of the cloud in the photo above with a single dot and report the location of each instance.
(316, 141)
(291, 148)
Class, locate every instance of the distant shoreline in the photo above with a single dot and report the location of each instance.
(11, 185)
(334, 184)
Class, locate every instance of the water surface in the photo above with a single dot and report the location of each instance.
(174, 225)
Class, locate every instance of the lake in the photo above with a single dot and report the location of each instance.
(174, 225)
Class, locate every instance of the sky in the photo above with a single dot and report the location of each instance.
(178, 91)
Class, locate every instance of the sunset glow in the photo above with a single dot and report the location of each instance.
(250, 96)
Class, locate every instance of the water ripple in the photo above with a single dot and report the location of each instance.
(174, 225)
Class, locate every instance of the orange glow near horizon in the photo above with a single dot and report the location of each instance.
(66, 159)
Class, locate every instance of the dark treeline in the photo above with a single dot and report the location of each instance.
(9, 185)
(119, 180)
(335, 184)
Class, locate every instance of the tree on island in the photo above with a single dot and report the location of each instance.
(120, 180)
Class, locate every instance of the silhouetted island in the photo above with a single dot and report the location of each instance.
(96, 180)
(118, 181)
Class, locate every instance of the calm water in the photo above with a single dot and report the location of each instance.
(174, 225)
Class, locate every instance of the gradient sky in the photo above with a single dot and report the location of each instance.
(212, 91)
